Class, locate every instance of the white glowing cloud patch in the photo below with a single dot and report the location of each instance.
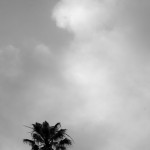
(81, 15)
(86, 64)
(92, 76)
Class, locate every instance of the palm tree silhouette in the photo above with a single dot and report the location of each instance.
(46, 137)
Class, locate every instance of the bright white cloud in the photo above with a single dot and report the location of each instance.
(83, 16)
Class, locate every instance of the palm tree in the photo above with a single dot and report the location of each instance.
(46, 137)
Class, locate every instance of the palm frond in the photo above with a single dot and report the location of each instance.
(65, 142)
(61, 148)
(54, 144)
(28, 127)
(54, 129)
(37, 137)
(45, 124)
(59, 135)
(30, 142)
(35, 147)
(37, 127)
(57, 126)
(46, 129)
(69, 137)
(43, 148)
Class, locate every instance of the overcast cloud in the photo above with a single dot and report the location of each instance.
(85, 64)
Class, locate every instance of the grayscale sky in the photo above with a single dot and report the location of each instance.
(84, 63)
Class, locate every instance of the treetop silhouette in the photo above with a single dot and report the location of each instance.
(46, 137)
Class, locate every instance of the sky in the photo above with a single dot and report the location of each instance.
(84, 63)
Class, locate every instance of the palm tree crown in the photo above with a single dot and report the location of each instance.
(46, 137)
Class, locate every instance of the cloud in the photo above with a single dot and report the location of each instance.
(108, 67)
(9, 58)
(83, 17)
